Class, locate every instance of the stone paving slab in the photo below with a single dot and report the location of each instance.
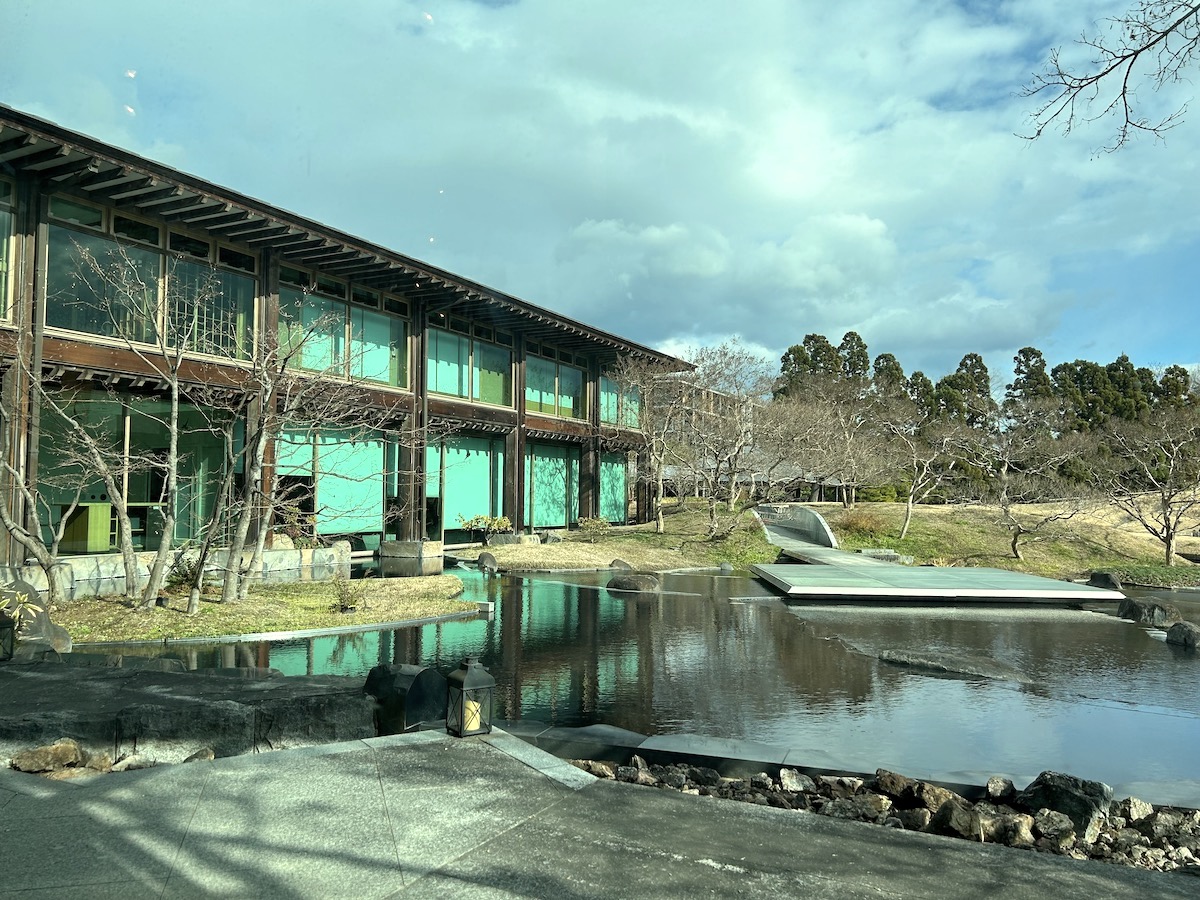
(426, 815)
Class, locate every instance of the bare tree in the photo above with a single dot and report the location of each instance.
(649, 408)
(922, 447)
(716, 433)
(1154, 42)
(1151, 471)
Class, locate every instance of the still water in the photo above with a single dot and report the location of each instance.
(1097, 696)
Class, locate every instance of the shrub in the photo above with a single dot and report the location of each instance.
(592, 529)
(486, 524)
(863, 523)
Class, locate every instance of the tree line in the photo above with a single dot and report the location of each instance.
(1067, 436)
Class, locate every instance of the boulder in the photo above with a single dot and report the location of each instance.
(1056, 830)
(634, 583)
(1131, 809)
(1000, 790)
(930, 796)
(1185, 634)
(913, 819)
(796, 782)
(1148, 612)
(865, 807)
(65, 753)
(894, 785)
(957, 818)
(1085, 802)
(595, 767)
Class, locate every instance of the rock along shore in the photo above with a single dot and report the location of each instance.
(1056, 813)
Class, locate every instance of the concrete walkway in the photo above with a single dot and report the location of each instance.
(426, 815)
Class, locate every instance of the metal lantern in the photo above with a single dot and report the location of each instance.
(469, 692)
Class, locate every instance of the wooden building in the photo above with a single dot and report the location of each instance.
(495, 406)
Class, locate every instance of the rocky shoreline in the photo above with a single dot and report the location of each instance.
(1056, 813)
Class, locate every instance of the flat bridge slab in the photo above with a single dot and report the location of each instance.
(835, 576)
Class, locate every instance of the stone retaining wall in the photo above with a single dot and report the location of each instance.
(98, 575)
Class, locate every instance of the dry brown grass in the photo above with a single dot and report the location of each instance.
(577, 555)
(285, 607)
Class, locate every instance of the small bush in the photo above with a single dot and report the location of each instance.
(487, 524)
(864, 523)
(592, 529)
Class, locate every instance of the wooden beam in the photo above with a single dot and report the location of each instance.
(219, 222)
(309, 256)
(159, 198)
(260, 227)
(14, 147)
(74, 170)
(49, 154)
(185, 204)
(201, 205)
(297, 240)
(144, 189)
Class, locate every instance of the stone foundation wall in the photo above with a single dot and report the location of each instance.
(82, 577)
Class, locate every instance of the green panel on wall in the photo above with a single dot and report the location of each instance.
(613, 496)
(551, 485)
(468, 485)
(294, 452)
(349, 484)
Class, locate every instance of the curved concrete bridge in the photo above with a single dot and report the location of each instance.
(821, 573)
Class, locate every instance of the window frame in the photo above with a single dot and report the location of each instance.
(472, 391)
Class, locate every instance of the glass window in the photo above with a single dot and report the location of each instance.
(364, 297)
(5, 192)
(570, 392)
(79, 213)
(539, 385)
(378, 348)
(331, 287)
(392, 305)
(95, 285)
(211, 311)
(6, 223)
(235, 259)
(190, 246)
(449, 363)
(137, 231)
(491, 374)
(288, 275)
(609, 400)
(316, 326)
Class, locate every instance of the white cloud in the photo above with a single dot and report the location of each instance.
(676, 172)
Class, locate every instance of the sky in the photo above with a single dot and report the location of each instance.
(679, 172)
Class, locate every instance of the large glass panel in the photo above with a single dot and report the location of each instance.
(609, 400)
(492, 375)
(551, 485)
(99, 286)
(449, 364)
(539, 385)
(631, 409)
(5, 239)
(349, 483)
(570, 393)
(211, 311)
(613, 487)
(64, 481)
(377, 348)
(314, 325)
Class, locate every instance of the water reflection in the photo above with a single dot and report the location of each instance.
(717, 656)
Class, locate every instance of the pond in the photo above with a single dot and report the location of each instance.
(1097, 696)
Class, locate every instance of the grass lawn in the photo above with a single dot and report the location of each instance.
(285, 607)
(683, 545)
(1100, 539)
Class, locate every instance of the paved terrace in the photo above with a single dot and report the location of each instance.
(426, 815)
(827, 575)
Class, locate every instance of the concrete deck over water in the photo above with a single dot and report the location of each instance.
(426, 815)
(826, 575)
